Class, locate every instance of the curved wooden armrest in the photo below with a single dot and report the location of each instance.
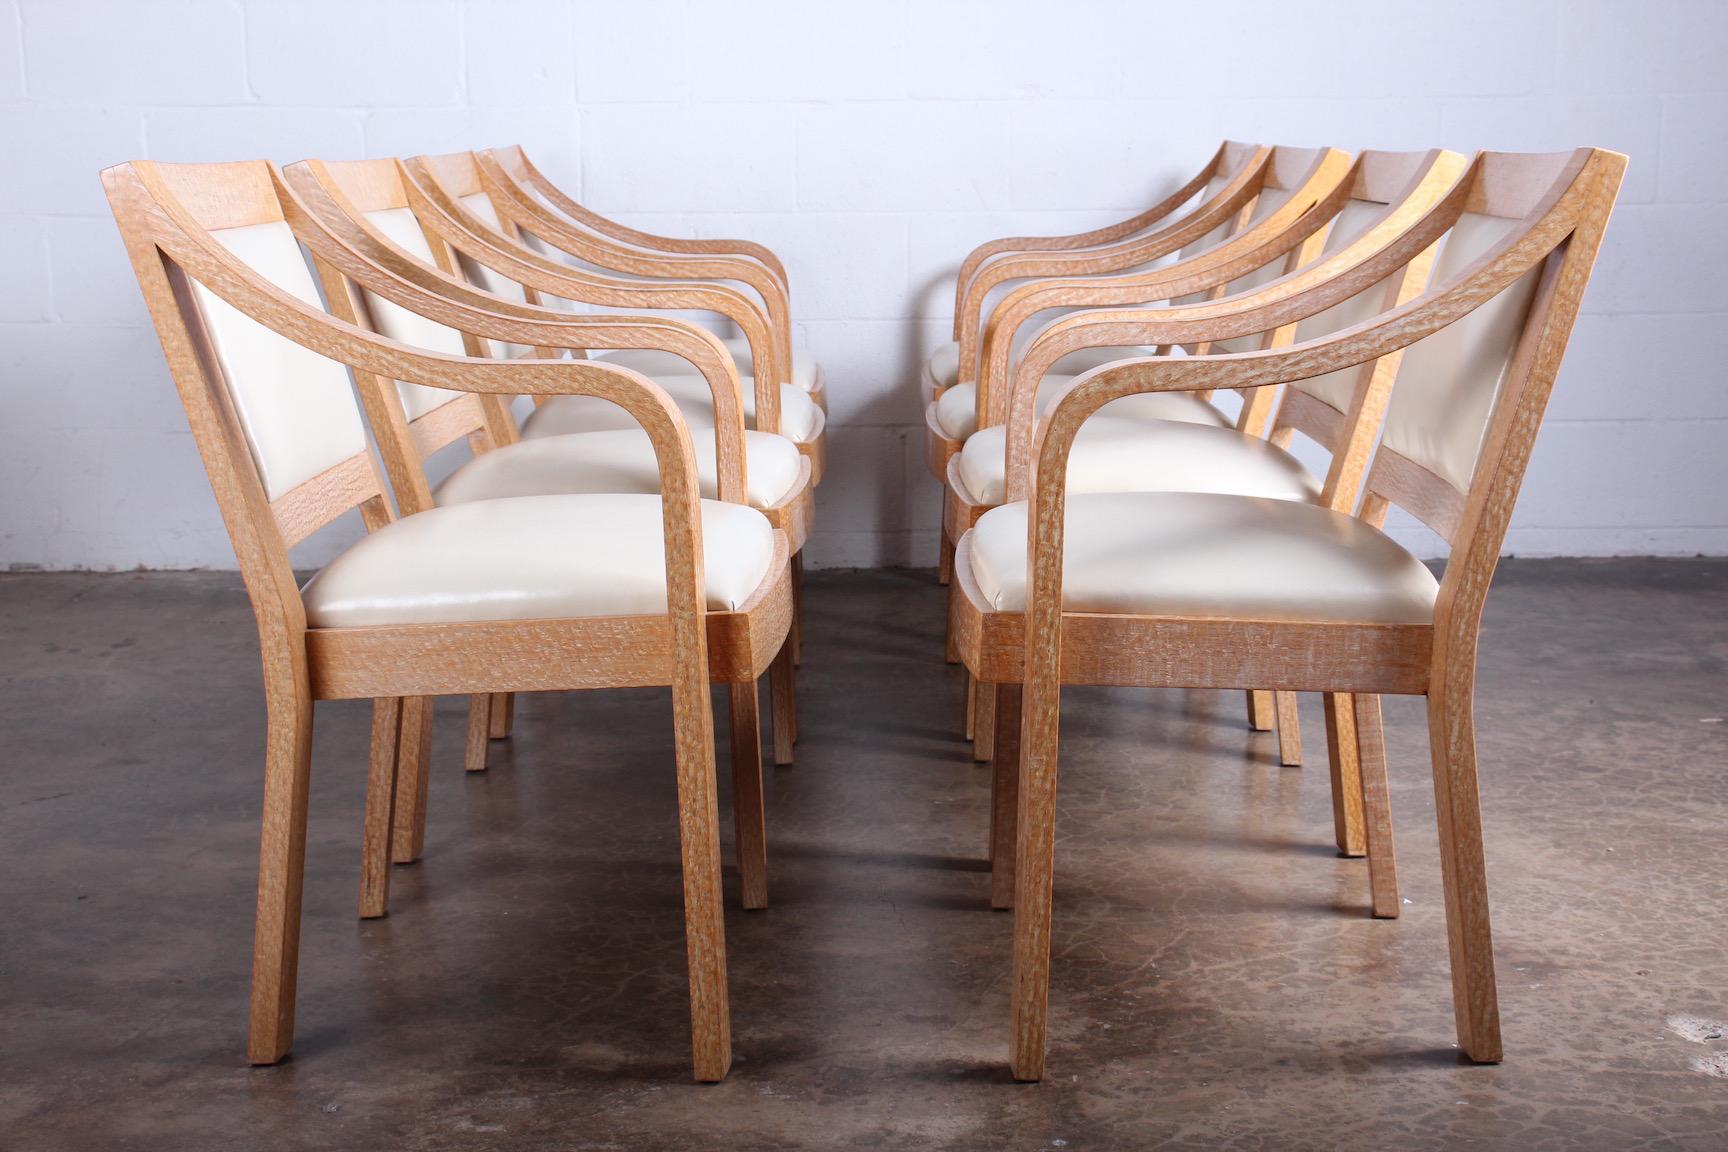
(518, 205)
(467, 233)
(589, 218)
(1108, 234)
(969, 315)
(544, 328)
(1051, 438)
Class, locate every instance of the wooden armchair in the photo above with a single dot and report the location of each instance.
(554, 224)
(494, 596)
(449, 198)
(364, 206)
(1215, 590)
(1383, 195)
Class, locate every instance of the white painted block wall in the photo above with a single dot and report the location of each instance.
(870, 144)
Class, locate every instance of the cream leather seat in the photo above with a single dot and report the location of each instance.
(957, 408)
(617, 461)
(1116, 455)
(564, 414)
(1209, 555)
(531, 558)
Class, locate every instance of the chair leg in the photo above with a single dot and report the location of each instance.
(798, 608)
(1035, 866)
(1344, 761)
(747, 815)
(408, 838)
(783, 704)
(984, 723)
(1376, 808)
(1004, 795)
(945, 560)
(1463, 869)
(1260, 710)
(479, 732)
(1289, 729)
(503, 714)
(950, 645)
(380, 801)
(971, 706)
(281, 872)
(699, 850)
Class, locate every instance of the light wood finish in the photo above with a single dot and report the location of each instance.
(522, 195)
(164, 213)
(1561, 204)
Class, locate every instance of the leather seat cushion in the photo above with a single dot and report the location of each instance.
(956, 409)
(1210, 555)
(565, 414)
(618, 461)
(533, 558)
(1115, 455)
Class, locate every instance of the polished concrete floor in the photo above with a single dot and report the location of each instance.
(1218, 982)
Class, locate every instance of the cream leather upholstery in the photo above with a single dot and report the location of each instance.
(1210, 555)
(398, 323)
(296, 407)
(944, 364)
(533, 558)
(1447, 383)
(620, 461)
(1114, 455)
(957, 408)
(649, 362)
(565, 414)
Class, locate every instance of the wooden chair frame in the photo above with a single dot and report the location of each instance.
(969, 304)
(323, 198)
(1563, 202)
(164, 213)
(522, 193)
(1409, 184)
(436, 185)
(1317, 177)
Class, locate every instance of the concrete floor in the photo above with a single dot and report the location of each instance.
(1218, 982)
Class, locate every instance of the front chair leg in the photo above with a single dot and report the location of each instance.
(945, 560)
(984, 723)
(479, 731)
(503, 714)
(1376, 808)
(1035, 866)
(747, 814)
(797, 639)
(281, 871)
(1260, 710)
(1463, 870)
(1004, 795)
(380, 801)
(1344, 760)
(783, 703)
(408, 837)
(699, 850)
(1289, 729)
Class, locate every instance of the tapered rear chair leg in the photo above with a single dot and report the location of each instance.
(380, 803)
(749, 820)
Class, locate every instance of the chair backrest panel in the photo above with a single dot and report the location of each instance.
(401, 227)
(1448, 382)
(1337, 388)
(296, 408)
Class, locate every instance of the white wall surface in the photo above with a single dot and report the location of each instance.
(871, 144)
